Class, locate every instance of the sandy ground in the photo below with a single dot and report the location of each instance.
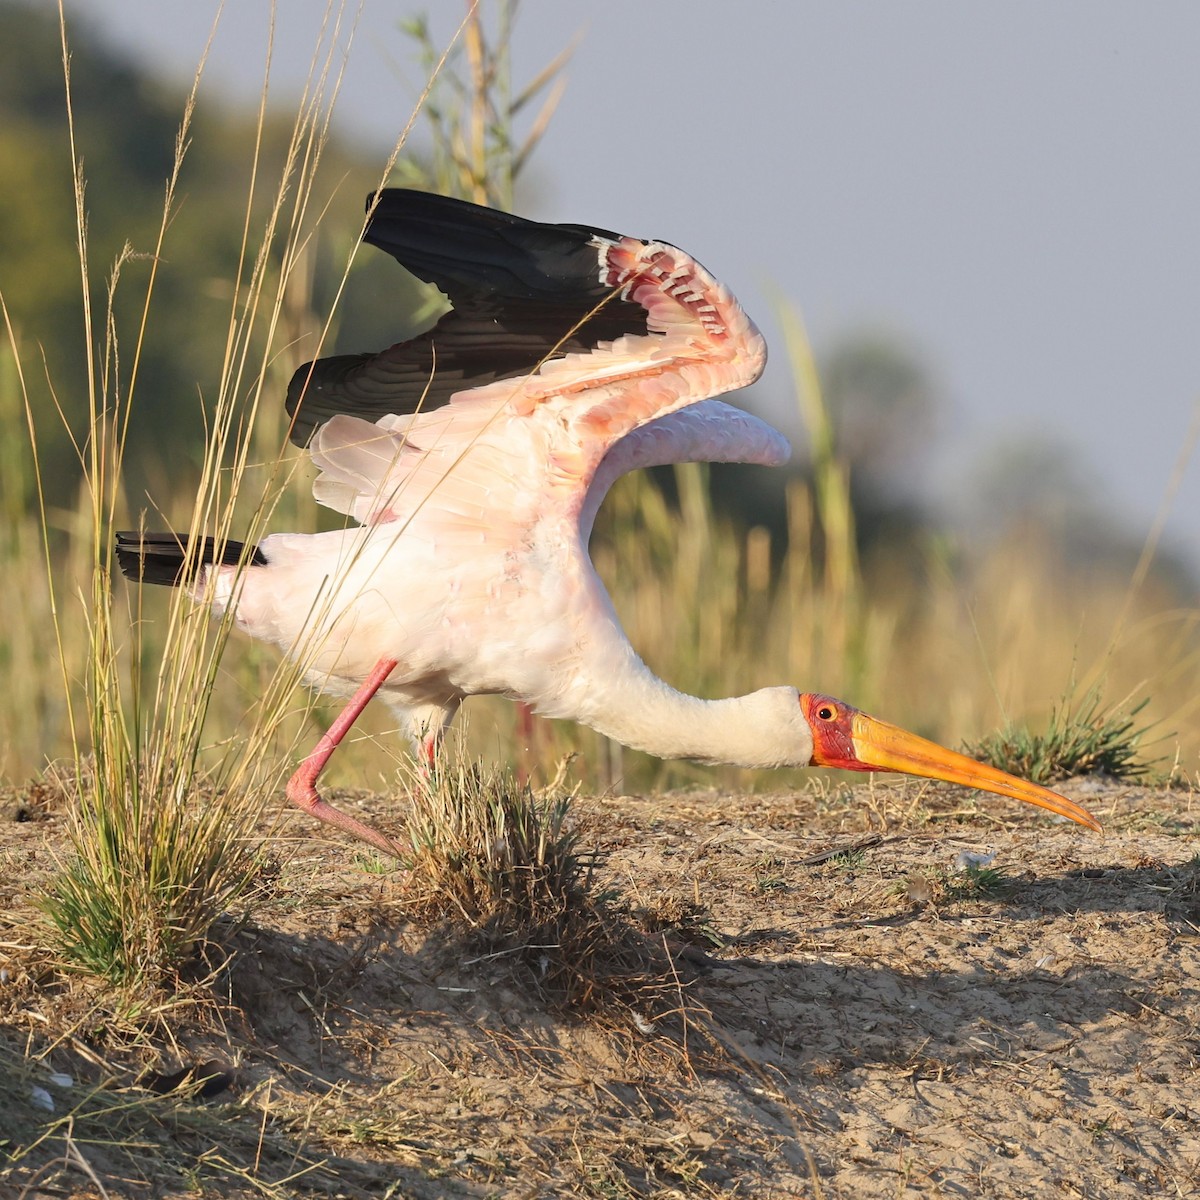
(874, 1024)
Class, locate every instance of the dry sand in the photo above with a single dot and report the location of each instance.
(876, 1024)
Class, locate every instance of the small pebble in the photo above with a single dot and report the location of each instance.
(973, 860)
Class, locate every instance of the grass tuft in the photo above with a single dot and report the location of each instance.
(977, 883)
(494, 850)
(149, 877)
(492, 855)
(1080, 739)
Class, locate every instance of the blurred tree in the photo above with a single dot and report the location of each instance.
(1036, 486)
(883, 407)
(1033, 478)
(126, 126)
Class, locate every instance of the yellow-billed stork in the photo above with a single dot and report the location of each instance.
(473, 458)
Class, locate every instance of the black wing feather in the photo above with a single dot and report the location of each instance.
(518, 289)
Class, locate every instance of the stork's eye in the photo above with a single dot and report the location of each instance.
(827, 712)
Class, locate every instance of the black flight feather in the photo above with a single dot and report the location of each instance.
(518, 289)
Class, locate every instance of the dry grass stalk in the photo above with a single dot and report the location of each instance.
(153, 867)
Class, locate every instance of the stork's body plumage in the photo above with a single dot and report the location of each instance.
(475, 457)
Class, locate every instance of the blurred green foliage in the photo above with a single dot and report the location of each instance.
(127, 123)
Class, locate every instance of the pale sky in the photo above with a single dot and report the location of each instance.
(1014, 187)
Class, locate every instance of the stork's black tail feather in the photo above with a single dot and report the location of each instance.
(164, 558)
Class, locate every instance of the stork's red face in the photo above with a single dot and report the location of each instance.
(846, 738)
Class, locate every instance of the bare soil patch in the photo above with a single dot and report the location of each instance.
(872, 1022)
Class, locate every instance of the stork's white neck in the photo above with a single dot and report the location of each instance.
(625, 701)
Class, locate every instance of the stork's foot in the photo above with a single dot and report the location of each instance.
(302, 792)
(302, 787)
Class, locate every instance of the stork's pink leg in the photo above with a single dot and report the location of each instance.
(302, 787)
(526, 739)
(427, 750)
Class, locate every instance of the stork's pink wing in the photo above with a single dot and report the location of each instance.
(561, 339)
(524, 294)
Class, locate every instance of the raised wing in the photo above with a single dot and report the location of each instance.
(561, 340)
(521, 292)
